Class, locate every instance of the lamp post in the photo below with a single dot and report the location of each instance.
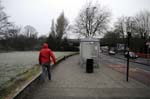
(128, 43)
(131, 22)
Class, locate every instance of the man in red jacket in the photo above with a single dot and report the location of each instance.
(45, 57)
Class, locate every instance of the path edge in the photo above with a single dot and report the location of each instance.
(28, 87)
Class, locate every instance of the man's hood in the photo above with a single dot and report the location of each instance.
(45, 45)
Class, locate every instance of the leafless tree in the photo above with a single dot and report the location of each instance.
(92, 20)
(4, 23)
(125, 24)
(14, 31)
(53, 32)
(61, 25)
(61, 29)
(119, 26)
(142, 20)
(30, 31)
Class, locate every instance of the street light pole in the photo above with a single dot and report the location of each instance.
(128, 42)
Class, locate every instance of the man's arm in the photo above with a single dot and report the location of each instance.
(53, 56)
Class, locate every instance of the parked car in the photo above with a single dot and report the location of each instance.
(111, 52)
(131, 55)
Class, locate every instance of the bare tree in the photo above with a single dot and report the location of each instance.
(142, 20)
(30, 31)
(4, 24)
(52, 36)
(53, 32)
(92, 20)
(61, 26)
(125, 24)
(61, 29)
(119, 26)
(14, 31)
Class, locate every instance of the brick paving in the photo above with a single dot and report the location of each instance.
(70, 81)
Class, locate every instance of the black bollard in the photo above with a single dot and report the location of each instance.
(89, 65)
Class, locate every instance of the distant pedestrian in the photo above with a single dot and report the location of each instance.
(45, 57)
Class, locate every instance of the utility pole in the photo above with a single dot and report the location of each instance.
(128, 56)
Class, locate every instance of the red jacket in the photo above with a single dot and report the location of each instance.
(46, 54)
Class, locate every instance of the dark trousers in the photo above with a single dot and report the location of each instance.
(46, 68)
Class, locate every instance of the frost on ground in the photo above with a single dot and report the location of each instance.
(14, 63)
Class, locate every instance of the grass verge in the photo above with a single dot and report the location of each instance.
(14, 84)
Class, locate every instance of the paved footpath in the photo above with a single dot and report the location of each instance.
(70, 81)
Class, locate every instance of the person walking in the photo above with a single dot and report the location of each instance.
(45, 57)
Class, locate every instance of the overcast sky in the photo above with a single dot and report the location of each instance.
(39, 13)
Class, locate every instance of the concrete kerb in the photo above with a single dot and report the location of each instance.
(63, 58)
(28, 87)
